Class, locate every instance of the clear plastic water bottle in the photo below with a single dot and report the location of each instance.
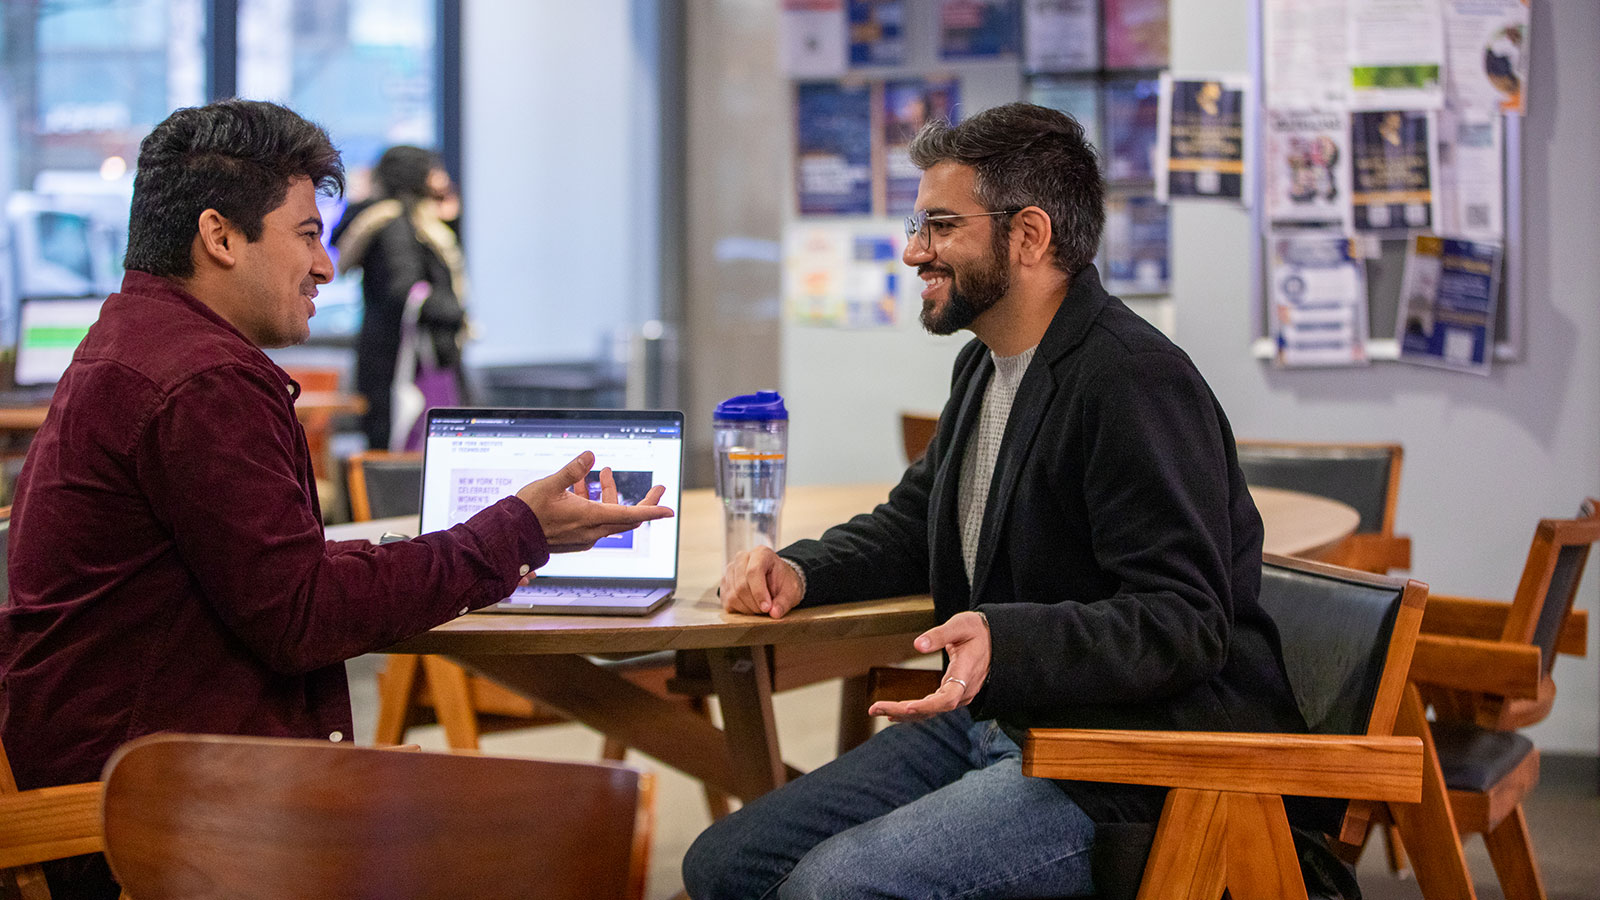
(752, 440)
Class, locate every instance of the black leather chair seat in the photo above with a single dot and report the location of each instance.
(1474, 759)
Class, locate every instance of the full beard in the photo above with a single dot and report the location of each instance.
(983, 286)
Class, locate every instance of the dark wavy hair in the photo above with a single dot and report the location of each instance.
(1027, 155)
(234, 156)
(402, 172)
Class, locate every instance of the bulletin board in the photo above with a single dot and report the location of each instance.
(1384, 258)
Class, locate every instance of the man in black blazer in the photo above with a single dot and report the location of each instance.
(1083, 526)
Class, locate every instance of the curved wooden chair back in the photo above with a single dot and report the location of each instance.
(192, 816)
(916, 430)
(1364, 476)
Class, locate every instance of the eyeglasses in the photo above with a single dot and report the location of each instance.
(917, 222)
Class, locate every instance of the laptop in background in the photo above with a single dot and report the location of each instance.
(473, 457)
(49, 329)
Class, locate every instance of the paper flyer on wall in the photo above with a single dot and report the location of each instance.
(1136, 34)
(1132, 116)
(1077, 97)
(908, 104)
(979, 29)
(1471, 175)
(842, 276)
(1061, 35)
(1303, 54)
(1319, 301)
(877, 32)
(1307, 177)
(1396, 54)
(1200, 152)
(1135, 257)
(1486, 43)
(812, 38)
(1447, 303)
(1393, 165)
(833, 156)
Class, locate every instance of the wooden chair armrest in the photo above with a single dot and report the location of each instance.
(1474, 617)
(1352, 767)
(889, 684)
(50, 823)
(1470, 664)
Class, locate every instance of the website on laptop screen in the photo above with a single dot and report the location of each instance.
(474, 459)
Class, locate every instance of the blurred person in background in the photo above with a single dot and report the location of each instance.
(413, 290)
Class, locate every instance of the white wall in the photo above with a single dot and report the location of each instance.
(1485, 457)
(560, 139)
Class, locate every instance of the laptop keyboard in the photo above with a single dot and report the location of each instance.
(543, 593)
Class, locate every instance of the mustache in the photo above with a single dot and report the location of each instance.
(934, 268)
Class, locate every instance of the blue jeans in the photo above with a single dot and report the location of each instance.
(931, 809)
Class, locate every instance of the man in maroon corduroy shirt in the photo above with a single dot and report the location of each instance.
(167, 565)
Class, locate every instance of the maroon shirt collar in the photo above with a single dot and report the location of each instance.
(158, 287)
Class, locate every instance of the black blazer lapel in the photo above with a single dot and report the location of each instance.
(1034, 396)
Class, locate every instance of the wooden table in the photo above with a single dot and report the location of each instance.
(544, 656)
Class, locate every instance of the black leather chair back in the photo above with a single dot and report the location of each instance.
(1355, 475)
(1335, 631)
(394, 486)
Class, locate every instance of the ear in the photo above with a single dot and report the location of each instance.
(1031, 233)
(217, 240)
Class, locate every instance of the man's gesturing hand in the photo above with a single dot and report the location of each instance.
(966, 638)
(759, 583)
(572, 521)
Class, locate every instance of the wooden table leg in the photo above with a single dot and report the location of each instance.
(616, 707)
(742, 677)
(855, 726)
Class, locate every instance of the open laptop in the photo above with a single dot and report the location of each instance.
(48, 331)
(473, 457)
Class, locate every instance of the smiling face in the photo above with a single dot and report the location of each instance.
(276, 277)
(965, 266)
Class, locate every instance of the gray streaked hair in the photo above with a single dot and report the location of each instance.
(1027, 155)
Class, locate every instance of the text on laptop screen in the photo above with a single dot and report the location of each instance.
(48, 331)
(474, 460)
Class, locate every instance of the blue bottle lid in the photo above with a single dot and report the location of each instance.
(761, 406)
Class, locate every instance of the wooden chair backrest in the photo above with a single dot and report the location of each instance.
(916, 430)
(268, 818)
(384, 483)
(1549, 582)
(1347, 640)
(1365, 476)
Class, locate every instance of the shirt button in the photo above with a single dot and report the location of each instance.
(525, 569)
(464, 610)
(336, 736)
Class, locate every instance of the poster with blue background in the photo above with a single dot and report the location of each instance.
(833, 169)
(1447, 303)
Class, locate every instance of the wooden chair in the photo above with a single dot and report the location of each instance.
(1347, 638)
(1365, 476)
(1484, 666)
(916, 430)
(41, 825)
(319, 425)
(192, 816)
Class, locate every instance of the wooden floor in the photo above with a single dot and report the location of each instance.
(1564, 812)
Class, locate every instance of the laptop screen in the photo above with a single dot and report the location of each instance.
(48, 331)
(473, 457)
